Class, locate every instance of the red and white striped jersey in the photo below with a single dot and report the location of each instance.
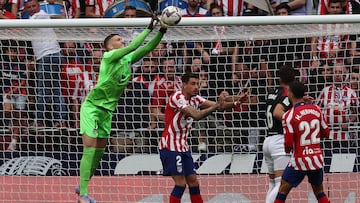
(163, 89)
(75, 4)
(336, 104)
(100, 6)
(177, 125)
(231, 7)
(304, 126)
(332, 42)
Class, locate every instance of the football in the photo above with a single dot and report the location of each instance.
(171, 15)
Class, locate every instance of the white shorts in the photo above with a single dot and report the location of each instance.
(17, 100)
(274, 153)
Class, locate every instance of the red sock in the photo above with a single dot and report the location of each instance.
(174, 199)
(196, 198)
(279, 201)
(323, 199)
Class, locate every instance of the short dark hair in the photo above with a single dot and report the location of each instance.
(283, 5)
(107, 39)
(287, 74)
(186, 77)
(216, 6)
(129, 8)
(298, 89)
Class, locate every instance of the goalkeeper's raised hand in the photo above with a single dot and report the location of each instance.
(154, 20)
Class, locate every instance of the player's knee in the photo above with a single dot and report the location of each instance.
(192, 181)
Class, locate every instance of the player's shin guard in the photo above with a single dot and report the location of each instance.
(176, 194)
(89, 161)
(322, 198)
(195, 195)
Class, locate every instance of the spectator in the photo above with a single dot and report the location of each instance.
(14, 91)
(149, 75)
(329, 48)
(339, 104)
(91, 73)
(215, 10)
(4, 12)
(130, 12)
(297, 7)
(195, 66)
(319, 78)
(160, 52)
(72, 80)
(282, 9)
(222, 54)
(209, 138)
(194, 10)
(168, 84)
(246, 115)
(49, 59)
(73, 8)
(96, 9)
(347, 7)
(133, 113)
(230, 7)
(17, 7)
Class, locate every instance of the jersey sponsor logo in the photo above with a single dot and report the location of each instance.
(32, 165)
(272, 96)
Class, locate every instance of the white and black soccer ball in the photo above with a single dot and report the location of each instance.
(171, 15)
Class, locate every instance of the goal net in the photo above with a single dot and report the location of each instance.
(40, 144)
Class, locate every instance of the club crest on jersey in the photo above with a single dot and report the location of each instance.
(179, 169)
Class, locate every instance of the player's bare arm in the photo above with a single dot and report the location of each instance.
(279, 111)
(198, 115)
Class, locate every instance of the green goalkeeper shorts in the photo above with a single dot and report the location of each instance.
(95, 121)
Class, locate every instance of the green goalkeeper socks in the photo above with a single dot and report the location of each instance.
(89, 162)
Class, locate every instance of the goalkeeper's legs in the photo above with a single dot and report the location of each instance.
(89, 162)
(92, 153)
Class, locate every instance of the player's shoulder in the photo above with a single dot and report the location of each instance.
(177, 95)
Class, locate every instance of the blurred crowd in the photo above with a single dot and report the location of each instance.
(44, 82)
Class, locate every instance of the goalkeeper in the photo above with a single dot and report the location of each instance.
(96, 111)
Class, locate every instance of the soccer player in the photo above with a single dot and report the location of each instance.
(182, 108)
(304, 126)
(275, 157)
(96, 111)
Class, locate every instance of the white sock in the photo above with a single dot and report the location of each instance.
(271, 196)
(271, 187)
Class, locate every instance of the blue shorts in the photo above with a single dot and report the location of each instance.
(177, 163)
(294, 177)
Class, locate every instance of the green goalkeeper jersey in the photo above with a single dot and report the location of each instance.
(115, 70)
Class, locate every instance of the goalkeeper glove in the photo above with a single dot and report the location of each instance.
(163, 27)
(153, 22)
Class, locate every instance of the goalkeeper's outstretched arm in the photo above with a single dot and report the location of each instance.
(135, 43)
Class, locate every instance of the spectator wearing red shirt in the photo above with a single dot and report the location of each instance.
(4, 13)
(168, 84)
(72, 78)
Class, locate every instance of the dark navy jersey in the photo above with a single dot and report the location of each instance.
(279, 96)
